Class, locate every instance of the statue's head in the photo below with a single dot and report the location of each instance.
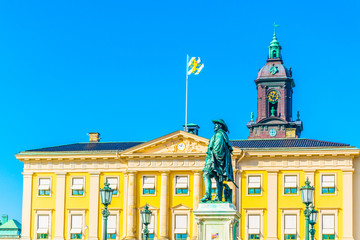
(220, 124)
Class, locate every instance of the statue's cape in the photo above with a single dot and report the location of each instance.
(220, 150)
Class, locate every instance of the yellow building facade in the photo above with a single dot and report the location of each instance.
(61, 188)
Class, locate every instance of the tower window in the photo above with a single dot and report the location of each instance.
(274, 54)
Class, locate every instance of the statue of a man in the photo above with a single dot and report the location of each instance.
(218, 163)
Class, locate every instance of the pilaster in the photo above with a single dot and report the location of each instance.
(348, 204)
(238, 200)
(196, 198)
(94, 206)
(131, 211)
(60, 205)
(126, 184)
(164, 206)
(272, 204)
(26, 206)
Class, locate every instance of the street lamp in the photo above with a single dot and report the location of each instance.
(146, 218)
(307, 193)
(313, 219)
(106, 195)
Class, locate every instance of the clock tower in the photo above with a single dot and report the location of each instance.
(274, 85)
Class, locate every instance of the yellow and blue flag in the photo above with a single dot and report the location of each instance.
(195, 66)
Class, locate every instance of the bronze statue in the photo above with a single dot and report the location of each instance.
(218, 163)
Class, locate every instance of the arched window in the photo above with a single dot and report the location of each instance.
(274, 54)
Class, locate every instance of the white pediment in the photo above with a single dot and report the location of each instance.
(178, 142)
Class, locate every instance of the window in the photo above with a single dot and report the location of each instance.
(254, 185)
(42, 226)
(44, 187)
(213, 186)
(180, 227)
(181, 185)
(328, 184)
(328, 226)
(290, 226)
(290, 184)
(149, 185)
(254, 226)
(113, 181)
(76, 226)
(77, 188)
(111, 227)
(151, 228)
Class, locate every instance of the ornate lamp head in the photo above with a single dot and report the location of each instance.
(146, 215)
(307, 192)
(106, 194)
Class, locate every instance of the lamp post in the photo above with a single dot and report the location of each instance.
(105, 195)
(146, 218)
(307, 193)
(313, 219)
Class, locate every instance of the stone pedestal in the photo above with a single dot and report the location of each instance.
(217, 221)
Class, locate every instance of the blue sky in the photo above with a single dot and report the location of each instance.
(118, 67)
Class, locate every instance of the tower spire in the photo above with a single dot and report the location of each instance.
(275, 48)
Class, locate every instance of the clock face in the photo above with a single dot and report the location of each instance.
(273, 70)
(181, 146)
(273, 96)
(272, 132)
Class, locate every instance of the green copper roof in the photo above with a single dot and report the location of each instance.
(274, 48)
(11, 224)
(274, 42)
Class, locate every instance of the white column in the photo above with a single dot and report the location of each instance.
(348, 203)
(272, 205)
(164, 206)
(126, 182)
(60, 206)
(131, 211)
(26, 206)
(238, 201)
(196, 199)
(94, 206)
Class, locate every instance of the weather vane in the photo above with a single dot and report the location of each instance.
(275, 26)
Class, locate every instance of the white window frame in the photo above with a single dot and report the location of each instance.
(117, 214)
(188, 184)
(142, 185)
(180, 211)
(290, 212)
(106, 177)
(254, 212)
(76, 212)
(71, 186)
(38, 185)
(154, 211)
(261, 184)
(297, 184)
(334, 212)
(321, 184)
(42, 212)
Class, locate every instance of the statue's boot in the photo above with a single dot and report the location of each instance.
(206, 197)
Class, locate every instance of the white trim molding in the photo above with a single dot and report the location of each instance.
(290, 212)
(42, 212)
(76, 212)
(261, 184)
(334, 212)
(259, 212)
(180, 210)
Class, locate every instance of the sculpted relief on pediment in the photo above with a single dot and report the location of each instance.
(178, 145)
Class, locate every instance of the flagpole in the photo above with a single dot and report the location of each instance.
(186, 99)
